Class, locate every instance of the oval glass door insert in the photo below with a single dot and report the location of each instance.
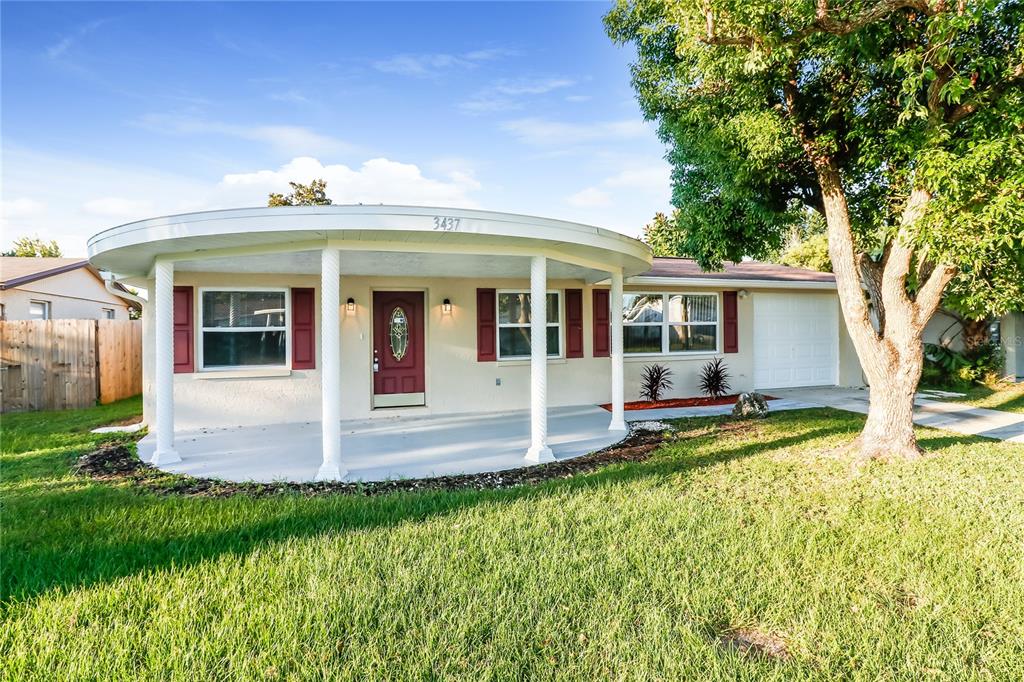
(399, 333)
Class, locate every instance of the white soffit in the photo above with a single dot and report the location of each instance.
(472, 235)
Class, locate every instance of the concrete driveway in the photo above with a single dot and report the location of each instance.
(971, 421)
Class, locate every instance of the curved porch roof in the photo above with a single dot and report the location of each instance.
(377, 239)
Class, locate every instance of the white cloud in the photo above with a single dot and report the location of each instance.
(631, 190)
(88, 203)
(577, 98)
(288, 139)
(589, 198)
(429, 65)
(58, 49)
(507, 94)
(22, 207)
(545, 133)
(656, 175)
(119, 207)
(376, 181)
(291, 97)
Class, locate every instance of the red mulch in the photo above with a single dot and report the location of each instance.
(680, 402)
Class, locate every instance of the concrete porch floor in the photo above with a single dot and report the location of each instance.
(385, 448)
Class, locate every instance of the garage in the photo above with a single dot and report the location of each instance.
(796, 340)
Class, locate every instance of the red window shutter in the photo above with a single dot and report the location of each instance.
(574, 323)
(730, 324)
(303, 329)
(602, 324)
(486, 325)
(184, 331)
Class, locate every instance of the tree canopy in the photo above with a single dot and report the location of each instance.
(33, 247)
(897, 94)
(313, 194)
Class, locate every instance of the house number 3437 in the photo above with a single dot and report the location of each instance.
(446, 223)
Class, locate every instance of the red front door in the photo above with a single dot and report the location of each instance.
(398, 365)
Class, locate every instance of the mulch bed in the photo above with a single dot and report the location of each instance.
(117, 462)
(680, 402)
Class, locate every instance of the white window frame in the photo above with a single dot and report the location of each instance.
(516, 325)
(47, 309)
(109, 313)
(665, 323)
(202, 329)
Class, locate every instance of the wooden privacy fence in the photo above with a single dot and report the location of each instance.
(69, 364)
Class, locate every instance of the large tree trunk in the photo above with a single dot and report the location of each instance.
(889, 431)
(892, 354)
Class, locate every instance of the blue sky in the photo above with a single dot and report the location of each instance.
(119, 111)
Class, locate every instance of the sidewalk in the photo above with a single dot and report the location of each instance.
(972, 421)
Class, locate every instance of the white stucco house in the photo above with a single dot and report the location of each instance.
(58, 289)
(331, 315)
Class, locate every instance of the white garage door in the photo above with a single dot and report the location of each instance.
(796, 340)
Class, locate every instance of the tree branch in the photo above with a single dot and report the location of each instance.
(929, 296)
(987, 96)
(871, 273)
(822, 23)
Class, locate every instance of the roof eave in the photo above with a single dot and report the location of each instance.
(26, 279)
(732, 283)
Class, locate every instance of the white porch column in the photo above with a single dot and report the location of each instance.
(618, 422)
(330, 365)
(164, 298)
(539, 450)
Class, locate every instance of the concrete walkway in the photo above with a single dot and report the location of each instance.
(971, 421)
(385, 447)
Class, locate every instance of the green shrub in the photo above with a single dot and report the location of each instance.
(943, 365)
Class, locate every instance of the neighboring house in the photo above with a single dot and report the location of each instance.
(944, 329)
(56, 288)
(297, 314)
(1011, 336)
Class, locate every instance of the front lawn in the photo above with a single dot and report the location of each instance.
(634, 571)
(1005, 397)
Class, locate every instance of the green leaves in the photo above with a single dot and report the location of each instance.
(33, 247)
(896, 100)
(313, 194)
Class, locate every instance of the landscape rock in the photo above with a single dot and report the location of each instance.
(750, 405)
(652, 426)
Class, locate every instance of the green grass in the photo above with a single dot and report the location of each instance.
(898, 572)
(1005, 397)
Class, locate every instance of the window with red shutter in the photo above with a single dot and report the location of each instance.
(730, 323)
(602, 323)
(574, 323)
(486, 325)
(303, 329)
(184, 331)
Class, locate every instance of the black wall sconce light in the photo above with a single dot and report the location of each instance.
(446, 306)
(350, 304)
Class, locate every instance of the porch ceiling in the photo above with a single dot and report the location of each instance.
(391, 264)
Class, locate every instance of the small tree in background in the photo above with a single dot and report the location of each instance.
(313, 194)
(33, 247)
(663, 237)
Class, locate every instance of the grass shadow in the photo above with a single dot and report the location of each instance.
(105, 531)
